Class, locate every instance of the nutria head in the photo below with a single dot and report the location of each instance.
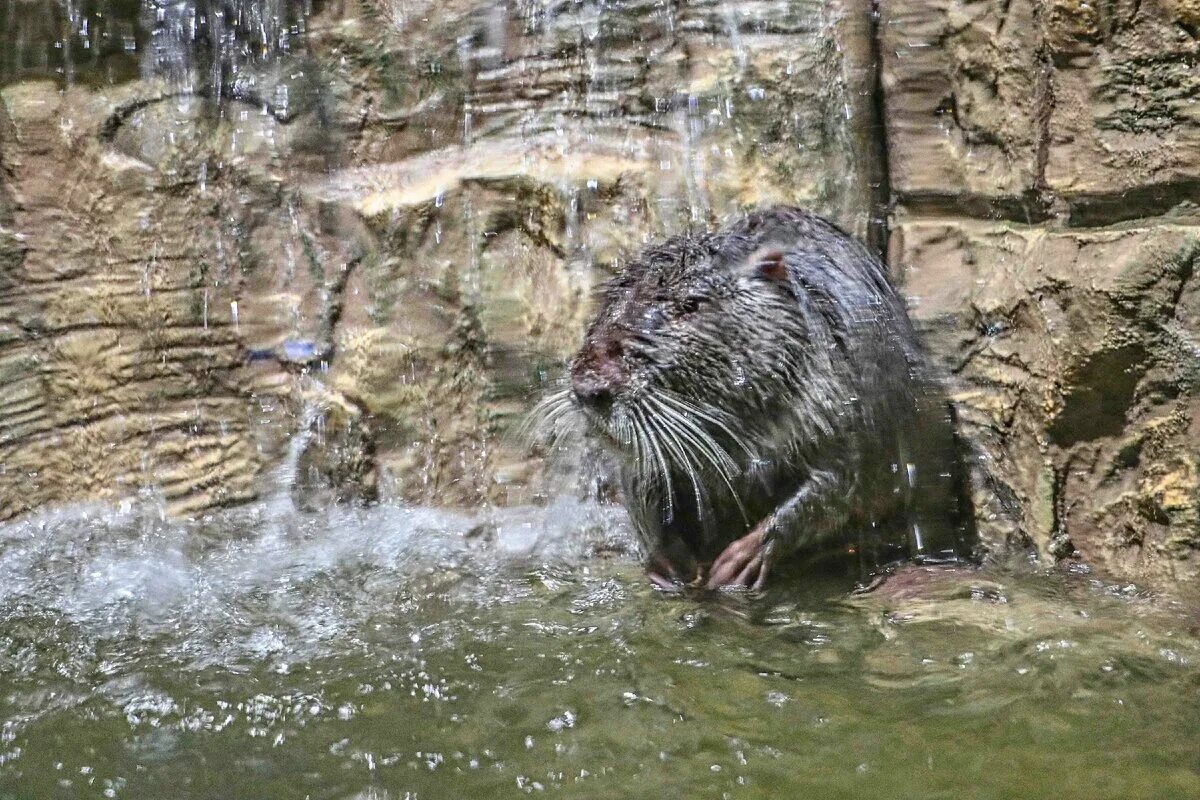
(712, 355)
(699, 331)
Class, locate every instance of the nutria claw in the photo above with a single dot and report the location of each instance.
(742, 563)
(662, 573)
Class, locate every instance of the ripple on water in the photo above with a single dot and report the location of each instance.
(386, 652)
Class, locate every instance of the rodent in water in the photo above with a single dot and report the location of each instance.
(764, 393)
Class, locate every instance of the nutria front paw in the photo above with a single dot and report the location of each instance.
(663, 574)
(742, 563)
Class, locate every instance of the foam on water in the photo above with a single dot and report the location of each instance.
(280, 580)
(380, 651)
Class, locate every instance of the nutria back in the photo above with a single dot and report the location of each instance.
(763, 383)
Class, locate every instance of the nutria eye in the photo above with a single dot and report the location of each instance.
(690, 305)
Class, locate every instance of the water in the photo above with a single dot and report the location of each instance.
(391, 652)
(407, 652)
(201, 45)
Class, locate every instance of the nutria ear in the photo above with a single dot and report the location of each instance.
(770, 265)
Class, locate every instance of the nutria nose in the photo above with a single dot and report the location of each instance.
(598, 373)
(592, 392)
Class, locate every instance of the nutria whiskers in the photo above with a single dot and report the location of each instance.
(764, 394)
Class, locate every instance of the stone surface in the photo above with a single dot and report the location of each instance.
(342, 261)
(147, 298)
(1075, 357)
(505, 159)
(361, 265)
(1070, 329)
(1033, 109)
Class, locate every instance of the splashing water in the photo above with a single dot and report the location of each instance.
(397, 652)
(384, 651)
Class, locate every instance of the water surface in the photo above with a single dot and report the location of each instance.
(389, 652)
(393, 652)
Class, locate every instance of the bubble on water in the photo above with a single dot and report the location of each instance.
(562, 721)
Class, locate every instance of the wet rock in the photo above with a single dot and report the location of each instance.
(1070, 331)
(1075, 359)
(1040, 108)
(962, 83)
(209, 301)
(137, 284)
(336, 462)
(504, 175)
(360, 247)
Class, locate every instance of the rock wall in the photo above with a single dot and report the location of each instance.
(346, 267)
(1045, 175)
(506, 157)
(138, 301)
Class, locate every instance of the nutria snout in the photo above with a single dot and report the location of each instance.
(764, 393)
(598, 373)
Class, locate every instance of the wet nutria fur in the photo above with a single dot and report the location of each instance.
(765, 394)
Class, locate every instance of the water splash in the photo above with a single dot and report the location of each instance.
(226, 584)
(283, 482)
(453, 653)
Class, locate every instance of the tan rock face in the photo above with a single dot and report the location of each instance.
(140, 286)
(505, 161)
(368, 284)
(1033, 109)
(352, 273)
(1073, 346)
(963, 84)
(1075, 360)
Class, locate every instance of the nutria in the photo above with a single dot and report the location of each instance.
(765, 394)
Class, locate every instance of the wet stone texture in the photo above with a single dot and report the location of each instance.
(1045, 170)
(158, 300)
(505, 158)
(346, 269)
(1080, 113)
